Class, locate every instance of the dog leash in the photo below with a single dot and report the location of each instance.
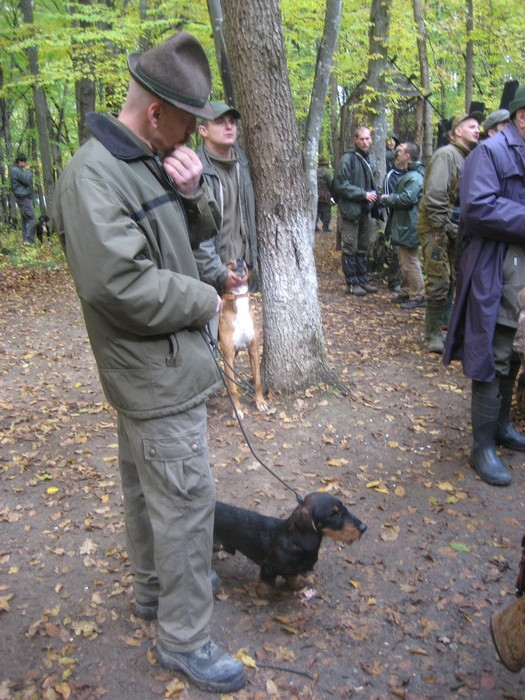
(216, 352)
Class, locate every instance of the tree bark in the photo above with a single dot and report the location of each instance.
(378, 57)
(294, 354)
(427, 144)
(318, 101)
(469, 55)
(221, 52)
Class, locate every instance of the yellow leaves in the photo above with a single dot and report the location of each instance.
(174, 687)
(247, 660)
(378, 486)
(85, 628)
(451, 387)
(4, 602)
(51, 490)
(337, 462)
(285, 624)
(131, 641)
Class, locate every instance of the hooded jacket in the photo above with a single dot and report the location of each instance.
(211, 269)
(128, 236)
(404, 203)
(21, 182)
(492, 194)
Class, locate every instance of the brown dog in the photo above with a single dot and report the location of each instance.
(237, 331)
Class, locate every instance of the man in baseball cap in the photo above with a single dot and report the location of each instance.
(130, 208)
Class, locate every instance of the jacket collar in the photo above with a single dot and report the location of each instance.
(114, 136)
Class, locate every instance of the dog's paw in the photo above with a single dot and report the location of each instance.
(238, 413)
(261, 404)
(295, 582)
(264, 590)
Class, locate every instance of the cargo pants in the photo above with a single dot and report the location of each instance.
(169, 503)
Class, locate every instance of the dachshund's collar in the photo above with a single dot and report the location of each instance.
(229, 296)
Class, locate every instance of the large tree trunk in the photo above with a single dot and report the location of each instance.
(426, 143)
(294, 353)
(318, 101)
(469, 54)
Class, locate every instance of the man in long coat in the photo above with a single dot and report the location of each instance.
(491, 273)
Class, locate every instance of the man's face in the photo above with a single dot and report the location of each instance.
(402, 157)
(221, 132)
(467, 133)
(363, 140)
(175, 127)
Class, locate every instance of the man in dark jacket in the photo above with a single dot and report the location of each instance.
(227, 172)
(404, 203)
(129, 207)
(490, 275)
(22, 189)
(356, 194)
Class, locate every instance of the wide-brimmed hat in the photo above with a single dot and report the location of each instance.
(221, 108)
(178, 72)
(518, 102)
(495, 118)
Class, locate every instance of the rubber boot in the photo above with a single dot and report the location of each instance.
(434, 326)
(506, 434)
(353, 286)
(362, 273)
(483, 457)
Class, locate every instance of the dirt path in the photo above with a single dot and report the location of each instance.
(401, 614)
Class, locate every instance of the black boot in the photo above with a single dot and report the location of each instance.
(362, 273)
(353, 286)
(506, 434)
(483, 457)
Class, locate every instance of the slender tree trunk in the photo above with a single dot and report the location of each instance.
(294, 353)
(221, 52)
(469, 55)
(41, 110)
(426, 144)
(318, 101)
(377, 50)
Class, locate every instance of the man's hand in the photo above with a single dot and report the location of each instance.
(185, 169)
(371, 196)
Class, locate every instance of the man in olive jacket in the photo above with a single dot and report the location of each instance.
(129, 208)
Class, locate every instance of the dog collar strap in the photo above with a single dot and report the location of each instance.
(231, 297)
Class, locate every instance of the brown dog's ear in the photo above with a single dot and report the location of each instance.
(301, 518)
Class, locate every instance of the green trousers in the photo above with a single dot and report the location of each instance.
(169, 503)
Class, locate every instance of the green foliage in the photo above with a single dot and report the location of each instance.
(15, 254)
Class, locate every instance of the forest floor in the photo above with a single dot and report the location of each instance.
(403, 613)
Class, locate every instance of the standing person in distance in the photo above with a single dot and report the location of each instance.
(495, 122)
(404, 203)
(437, 224)
(354, 185)
(22, 189)
(128, 208)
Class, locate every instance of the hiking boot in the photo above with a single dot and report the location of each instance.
(148, 610)
(370, 288)
(401, 299)
(356, 290)
(210, 668)
(413, 304)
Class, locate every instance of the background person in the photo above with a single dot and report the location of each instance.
(324, 195)
(355, 188)
(404, 203)
(491, 275)
(495, 122)
(128, 208)
(227, 172)
(22, 189)
(437, 224)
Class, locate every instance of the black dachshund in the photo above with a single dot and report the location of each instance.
(289, 547)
